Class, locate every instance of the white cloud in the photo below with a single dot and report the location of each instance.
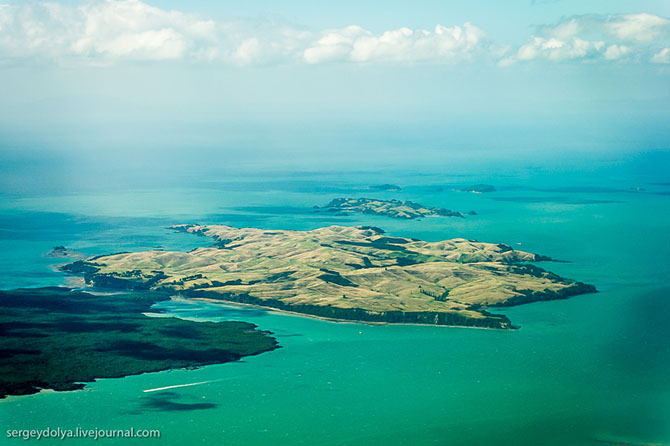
(629, 37)
(104, 30)
(637, 27)
(107, 31)
(567, 29)
(356, 44)
(662, 56)
(111, 31)
(444, 43)
(135, 30)
(616, 51)
(334, 45)
(556, 49)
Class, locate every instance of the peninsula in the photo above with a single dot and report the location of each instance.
(350, 273)
(57, 338)
(389, 208)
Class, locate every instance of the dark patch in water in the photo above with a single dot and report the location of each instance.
(28, 225)
(234, 219)
(584, 189)
(642, 345)
(166, 402)
(563, 200)
(639, 352)
(274, 210)
(623, 443)
(6, 353)
(6, 328)
(572, 189)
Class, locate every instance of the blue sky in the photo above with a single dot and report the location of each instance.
(312, 78)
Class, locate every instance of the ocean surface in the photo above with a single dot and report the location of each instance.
(590, 370)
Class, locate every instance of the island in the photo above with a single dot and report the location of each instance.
(386, 187)
(61, 252)
(389, 208)
(340, 272)
(479, 188)
(57, 338)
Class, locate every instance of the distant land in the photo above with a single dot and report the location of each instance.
(58, 338)
(479, 188)
(338, 272)
(62, 252)
(389, 208)
(388, 187)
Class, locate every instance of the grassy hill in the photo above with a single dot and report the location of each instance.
(355, 273)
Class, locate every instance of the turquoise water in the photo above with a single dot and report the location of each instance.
(589, 370)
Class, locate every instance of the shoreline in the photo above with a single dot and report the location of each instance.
(322, 318)
(401, 279)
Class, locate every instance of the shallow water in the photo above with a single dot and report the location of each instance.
(588, 370)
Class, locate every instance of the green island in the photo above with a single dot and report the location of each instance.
(389, 208)
(479, 188)
(386, 187)
(57, 338)
(337, 272)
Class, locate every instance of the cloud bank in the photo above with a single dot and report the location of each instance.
(112, 30)
(626, 37)
(103, 32)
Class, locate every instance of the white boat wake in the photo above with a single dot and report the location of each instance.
(158, 389)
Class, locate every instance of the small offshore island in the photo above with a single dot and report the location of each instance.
(57, 338)
(337, 272)
(407, 210)
(479, 188)
(386, 187)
